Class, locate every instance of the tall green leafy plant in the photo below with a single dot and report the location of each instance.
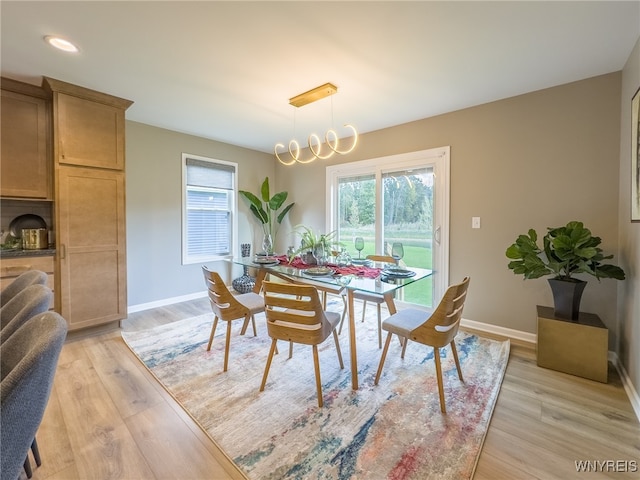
(268, 209)
(565, 252)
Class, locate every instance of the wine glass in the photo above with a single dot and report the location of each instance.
(397, 251)
(359, 244)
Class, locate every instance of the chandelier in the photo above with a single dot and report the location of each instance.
(331, 140)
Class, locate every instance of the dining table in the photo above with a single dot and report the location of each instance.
(385, 279)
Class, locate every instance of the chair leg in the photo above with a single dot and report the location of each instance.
(379, 327)
(335, 337)
(384, 355)
(268, 365)
(436, 357)
(316, 366)
(404, 343)
(27, 467)
(36, 452)
(290, 349)
(344, 314)
(213, 331)
(455, 357)
(226, 346)
(245, 324)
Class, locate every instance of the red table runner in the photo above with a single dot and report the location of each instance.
(359, 270)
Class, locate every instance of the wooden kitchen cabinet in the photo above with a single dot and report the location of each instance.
(25, 159)
(89, 126)
(89, 209)
(90, 214)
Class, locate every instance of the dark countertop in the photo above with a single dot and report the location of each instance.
(27, 253)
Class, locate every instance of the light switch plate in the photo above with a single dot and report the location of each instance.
(475, 222)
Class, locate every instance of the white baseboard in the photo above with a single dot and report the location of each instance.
(502, 331)
(165, 301)
(634, 398)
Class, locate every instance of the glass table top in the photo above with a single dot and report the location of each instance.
(391, 278)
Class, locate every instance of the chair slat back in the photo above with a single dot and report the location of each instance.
(294, 312)
(442, 326)
(223, 303)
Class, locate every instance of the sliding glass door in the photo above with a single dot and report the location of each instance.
(356, 214)
(396, 200)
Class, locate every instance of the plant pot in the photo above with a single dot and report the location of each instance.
(308, 258)
(566, 297)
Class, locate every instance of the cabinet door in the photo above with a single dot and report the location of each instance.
(90, 133)
(25, 166)
(90, 214)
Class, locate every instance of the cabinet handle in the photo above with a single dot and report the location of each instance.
(63, 251)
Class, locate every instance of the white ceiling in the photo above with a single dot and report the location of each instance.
(225, 70)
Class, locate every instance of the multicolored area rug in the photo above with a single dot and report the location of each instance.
(391, 431)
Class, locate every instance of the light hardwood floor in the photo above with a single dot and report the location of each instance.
(108, 418)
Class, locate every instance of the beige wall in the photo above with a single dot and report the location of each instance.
(533, 161)
(629, 234)
(154, 201)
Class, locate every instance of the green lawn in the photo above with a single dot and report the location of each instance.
(414, 256)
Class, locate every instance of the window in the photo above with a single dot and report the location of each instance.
(403, 198)
(208, 209)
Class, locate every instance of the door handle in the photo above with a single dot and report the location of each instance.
(437, 235)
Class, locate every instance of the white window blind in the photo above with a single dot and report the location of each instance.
(209, 205)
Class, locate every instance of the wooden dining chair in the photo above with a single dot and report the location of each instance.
(295, 314)
(437, 329)
(370, 297)
(229, 307)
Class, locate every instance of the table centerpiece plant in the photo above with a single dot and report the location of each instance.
(314, 248)
(566, 251)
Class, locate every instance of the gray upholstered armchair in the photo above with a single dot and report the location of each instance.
(27, 303)
(22, 281)
(28, 361)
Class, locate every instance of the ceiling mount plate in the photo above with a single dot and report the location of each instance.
(313, 95)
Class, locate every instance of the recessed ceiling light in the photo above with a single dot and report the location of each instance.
(61, 43)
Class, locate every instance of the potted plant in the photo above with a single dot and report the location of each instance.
(313, 246)
(566, 251)
(265, 209)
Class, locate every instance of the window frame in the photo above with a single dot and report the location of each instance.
(440, 159)
(188, 259)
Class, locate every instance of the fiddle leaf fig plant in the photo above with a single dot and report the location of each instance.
(565, 252)
(266, 208)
